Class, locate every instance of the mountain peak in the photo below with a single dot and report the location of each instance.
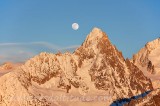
(95, 29)
(96, 32)
(94, 37)
(153, 44)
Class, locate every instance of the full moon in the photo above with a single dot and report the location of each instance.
(75, 26)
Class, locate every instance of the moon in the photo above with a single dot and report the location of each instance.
(75, 26)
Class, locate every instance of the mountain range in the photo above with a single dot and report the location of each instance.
(95, 70)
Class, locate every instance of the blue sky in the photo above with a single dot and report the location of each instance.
(128, 23)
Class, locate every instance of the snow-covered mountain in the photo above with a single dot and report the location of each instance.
(95, 69)
(6, 66)
(148, 57)
(148, 60)
(9, 66)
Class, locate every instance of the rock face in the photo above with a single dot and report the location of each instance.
(96, 66)
(148, 60)
(148, 57)
(150, 67)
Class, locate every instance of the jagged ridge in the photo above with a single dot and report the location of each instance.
(97, 61)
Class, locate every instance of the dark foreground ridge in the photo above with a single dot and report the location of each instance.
(122, 102)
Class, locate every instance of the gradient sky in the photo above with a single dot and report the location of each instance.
(129, 24)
